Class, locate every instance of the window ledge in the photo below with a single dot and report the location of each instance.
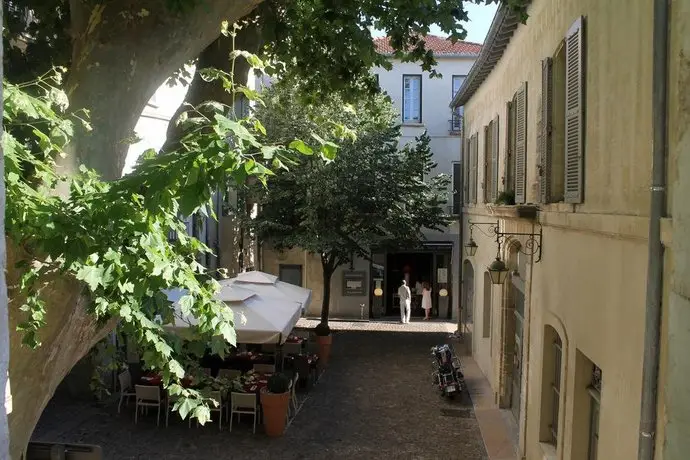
(548, 451)
(516, 211)
(413, 124)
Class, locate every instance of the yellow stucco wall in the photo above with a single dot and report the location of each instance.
(590, 283)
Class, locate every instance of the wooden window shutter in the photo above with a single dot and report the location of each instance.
(473, 171)
(574, 112)
(508, 172)
(520, 143)
(544, 134)
(494, 160)
(466, 170)
(487, 164)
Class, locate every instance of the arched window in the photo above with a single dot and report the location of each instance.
(551, 386)
(486, 321)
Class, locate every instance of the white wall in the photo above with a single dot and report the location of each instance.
(437, 94)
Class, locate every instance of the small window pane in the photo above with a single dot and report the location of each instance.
(291, 274)
(412, 98)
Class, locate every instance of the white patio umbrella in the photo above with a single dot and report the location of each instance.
(257, 319)
(266, 285)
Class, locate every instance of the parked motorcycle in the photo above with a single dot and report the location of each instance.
(446, 370)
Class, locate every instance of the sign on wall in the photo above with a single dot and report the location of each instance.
(354, 283)
(442, 275)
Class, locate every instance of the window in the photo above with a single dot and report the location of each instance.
(556, 388)
(290, 274)
(457, 188)
(458, 80)
(486, 321)
(509, 178)
(520, 101)
(595, 394)
(474, 149)
(412, 99)
(574, 112)
(491, 161)
(552, 374)
(466, 146)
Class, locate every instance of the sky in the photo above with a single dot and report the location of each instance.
(480, 17)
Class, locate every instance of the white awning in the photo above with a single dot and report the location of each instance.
(266, 285)
(257, 319)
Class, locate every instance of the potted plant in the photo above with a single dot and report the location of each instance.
(275, 399)
(324, 339)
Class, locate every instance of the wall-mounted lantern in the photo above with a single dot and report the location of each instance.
(498, 271)
(443, 292)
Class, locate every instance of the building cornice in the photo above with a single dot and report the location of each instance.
(501, 31)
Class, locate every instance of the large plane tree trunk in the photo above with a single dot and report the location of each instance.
(122, 52)
(34, 374)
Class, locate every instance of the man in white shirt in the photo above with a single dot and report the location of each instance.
(405, 302)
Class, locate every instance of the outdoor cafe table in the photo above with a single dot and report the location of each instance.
(245, 361)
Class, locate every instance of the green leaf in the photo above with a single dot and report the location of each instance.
(301, 147)
(91, 275)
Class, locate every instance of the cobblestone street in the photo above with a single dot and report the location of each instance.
(375, 401)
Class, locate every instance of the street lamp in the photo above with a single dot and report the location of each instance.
(498, 272)
(471, 248)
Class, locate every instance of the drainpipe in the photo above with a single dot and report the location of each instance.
(650, 369)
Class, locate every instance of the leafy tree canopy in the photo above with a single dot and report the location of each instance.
(326, 43)
(372, 194)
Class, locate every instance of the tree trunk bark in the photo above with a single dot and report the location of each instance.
(70, 332)
(326, 305)
(216, 55)
(122, 52)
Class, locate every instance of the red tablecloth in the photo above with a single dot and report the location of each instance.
(254, 382)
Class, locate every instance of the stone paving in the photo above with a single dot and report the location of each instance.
(375, 401)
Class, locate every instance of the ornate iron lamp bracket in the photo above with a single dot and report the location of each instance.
(531, 245)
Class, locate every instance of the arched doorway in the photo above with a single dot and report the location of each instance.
(467, 313)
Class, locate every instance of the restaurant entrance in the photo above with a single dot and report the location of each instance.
(431, 264)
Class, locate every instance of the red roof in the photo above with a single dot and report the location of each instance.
(439, 45)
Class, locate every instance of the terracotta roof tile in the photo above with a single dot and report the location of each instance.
(439, 45)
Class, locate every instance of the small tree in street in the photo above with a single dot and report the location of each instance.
(372, 194)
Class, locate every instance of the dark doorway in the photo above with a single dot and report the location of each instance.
(417, 268)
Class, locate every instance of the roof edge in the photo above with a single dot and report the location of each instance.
(497, 39)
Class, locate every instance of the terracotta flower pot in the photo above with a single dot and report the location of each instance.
(325, 342)
(275, 409)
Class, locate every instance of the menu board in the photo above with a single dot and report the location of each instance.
(354, 283)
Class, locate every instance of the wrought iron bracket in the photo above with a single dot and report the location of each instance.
(531, 246)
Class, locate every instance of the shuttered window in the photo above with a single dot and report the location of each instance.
(544, 129)
(494, 159)
(487, 164)
(412, 99)
(491, 161)
(466, 170)
(521, 144)
(457, 188)
(509, 167)
(574, 112)
(474, 150)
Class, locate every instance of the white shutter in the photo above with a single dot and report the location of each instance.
(544, 132)
(406, 99)
(574, 116)
(415, 99)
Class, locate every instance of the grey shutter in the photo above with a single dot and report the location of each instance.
(520, 143)
(466, 170)
(545, 144)
(574, 112)
(474, 150)
(508, 172)
(487, 164)
(494, 160)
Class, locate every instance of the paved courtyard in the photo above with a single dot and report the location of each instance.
(375, 401)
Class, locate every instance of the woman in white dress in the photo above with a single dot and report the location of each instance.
(426, 300)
